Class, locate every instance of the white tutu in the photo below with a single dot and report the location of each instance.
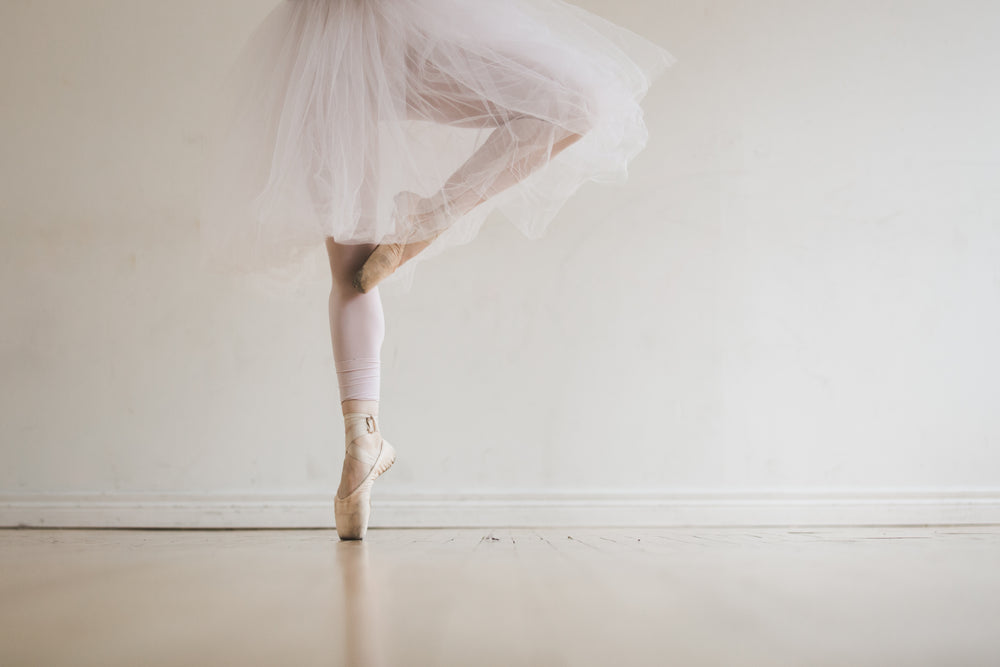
(335, 107)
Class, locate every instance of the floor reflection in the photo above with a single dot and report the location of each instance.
(363, 622)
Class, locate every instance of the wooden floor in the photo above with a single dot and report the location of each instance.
(807, 596)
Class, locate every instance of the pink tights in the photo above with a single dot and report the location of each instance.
(357, 324)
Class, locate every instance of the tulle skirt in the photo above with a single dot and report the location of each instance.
(376, 121)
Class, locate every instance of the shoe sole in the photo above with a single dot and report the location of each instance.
(352, 513)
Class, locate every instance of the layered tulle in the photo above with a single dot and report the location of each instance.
(336, 110)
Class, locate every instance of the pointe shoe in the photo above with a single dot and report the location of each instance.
(353, 511)
(383, 261)
(387, 257)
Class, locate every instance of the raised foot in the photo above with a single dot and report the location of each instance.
(419, 214)
(383, 261)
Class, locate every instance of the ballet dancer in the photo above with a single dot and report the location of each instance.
(517, 146)
(330, 117)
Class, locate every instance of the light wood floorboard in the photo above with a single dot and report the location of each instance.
(553, 596)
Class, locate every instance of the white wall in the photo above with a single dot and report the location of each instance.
(789, 314)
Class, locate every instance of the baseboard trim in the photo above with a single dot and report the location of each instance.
(943, 507)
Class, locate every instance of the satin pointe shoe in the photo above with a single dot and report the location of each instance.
(383, 262)
(353, 510)
(387, 257)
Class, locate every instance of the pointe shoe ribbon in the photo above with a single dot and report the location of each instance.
(359, 425)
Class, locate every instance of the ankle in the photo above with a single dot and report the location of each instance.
(363, 406)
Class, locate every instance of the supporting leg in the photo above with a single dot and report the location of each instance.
(357, 328)
(357, 325)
